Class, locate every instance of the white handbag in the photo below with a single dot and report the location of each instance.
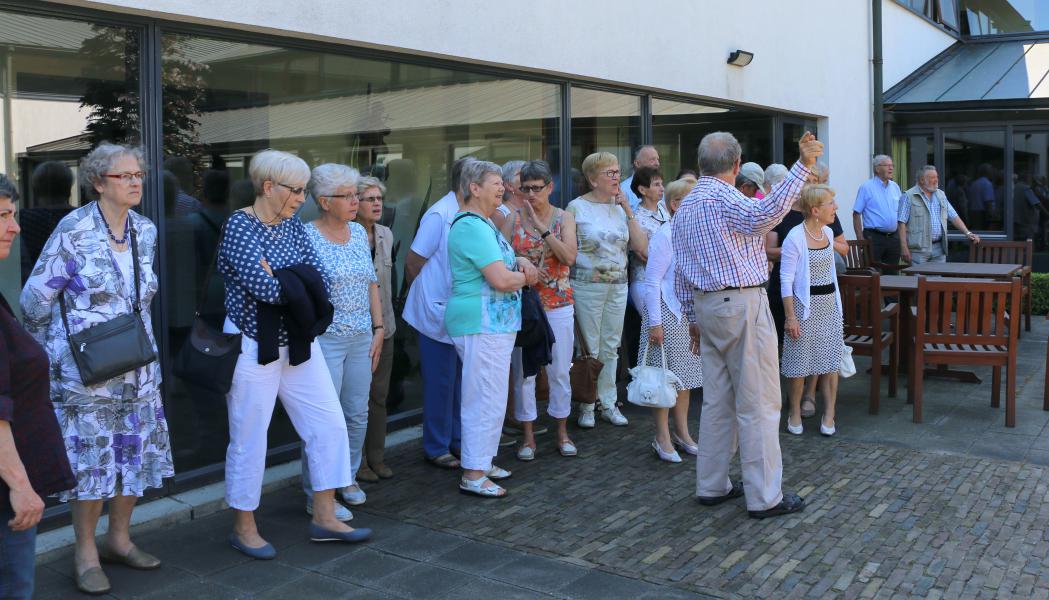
(848, 367)
(653, 387)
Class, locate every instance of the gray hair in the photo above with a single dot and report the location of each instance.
(536, 169)
(8, 189)
(327, 178)
(774, 174)
(278, 167)
(922, 171)
(821, 171)
(99, 161)
(510, 168)
(718, 153)
(880, 159)
(641, 148)
(370, 182)
(475, 171)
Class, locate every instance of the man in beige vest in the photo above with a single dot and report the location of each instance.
(923, 215)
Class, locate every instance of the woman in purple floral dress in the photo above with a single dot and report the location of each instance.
(115, 432)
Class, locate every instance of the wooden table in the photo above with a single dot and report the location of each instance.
(907, 288)
(959, 269)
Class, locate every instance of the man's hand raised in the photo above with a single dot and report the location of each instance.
(810, 148)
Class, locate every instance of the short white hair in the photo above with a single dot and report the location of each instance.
(475, 171)
(99, 161)
(880, 159)
(774, 174)
(278, 167)
(329, 177)
(370, 182)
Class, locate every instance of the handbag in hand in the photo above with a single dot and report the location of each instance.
(208, 358)
(848, 366)
(653, 387)
(584, 372)
(121, 344)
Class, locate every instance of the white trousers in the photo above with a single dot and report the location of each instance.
(486, 375)
(308, 396)
(561, 322)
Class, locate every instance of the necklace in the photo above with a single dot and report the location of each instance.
(821, 237)
(127, 227)
(268, 226)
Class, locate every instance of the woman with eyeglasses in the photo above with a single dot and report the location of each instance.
(265, 246)
(545, 235)
(605, 229)
(813, 340)
(115, 432)
(354, 340)
(370, 192)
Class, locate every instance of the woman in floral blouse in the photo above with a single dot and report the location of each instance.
(115, 432)
(353, 342)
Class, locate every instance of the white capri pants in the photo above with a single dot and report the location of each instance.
(562, 323)
(486, 375)
(308, 396)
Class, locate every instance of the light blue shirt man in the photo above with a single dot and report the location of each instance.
(644, 156)
(877, 203)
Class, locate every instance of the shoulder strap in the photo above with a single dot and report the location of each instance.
(463, 216)
(211, 270)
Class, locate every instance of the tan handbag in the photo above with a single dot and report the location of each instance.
(584, 372)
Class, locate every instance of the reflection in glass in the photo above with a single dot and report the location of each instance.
(1031, 188)
(678, 127)
(404, 124)
(988, 17)
(974, 169)
(602, 122)
(909, 154)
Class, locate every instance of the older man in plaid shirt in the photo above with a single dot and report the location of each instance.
(719, 245)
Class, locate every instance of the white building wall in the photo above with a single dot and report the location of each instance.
(908, 42)
(810, 57)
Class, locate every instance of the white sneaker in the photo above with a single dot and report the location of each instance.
(341, 512)
(354, 495)
(586, 416)
(613, 416)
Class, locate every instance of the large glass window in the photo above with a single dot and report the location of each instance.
(988, 17)
(1031, 188)
(909, 154)
(974, 163)
(64, 87)
(677, 128)
(403, 123)
(602, 122)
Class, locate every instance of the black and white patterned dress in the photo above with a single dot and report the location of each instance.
(818, 350)
(680, 360)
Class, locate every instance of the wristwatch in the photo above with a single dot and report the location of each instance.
(544, 234)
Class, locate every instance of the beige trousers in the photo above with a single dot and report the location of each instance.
(741, 396)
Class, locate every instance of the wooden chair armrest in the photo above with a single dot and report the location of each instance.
(890, 310)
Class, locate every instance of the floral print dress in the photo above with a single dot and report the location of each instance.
(116, 434)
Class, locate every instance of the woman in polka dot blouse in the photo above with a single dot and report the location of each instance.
(259, 239)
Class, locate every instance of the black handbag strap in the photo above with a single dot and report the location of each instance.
(211, 271)
(136, 305)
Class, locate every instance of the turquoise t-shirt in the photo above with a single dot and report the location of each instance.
(474, 306)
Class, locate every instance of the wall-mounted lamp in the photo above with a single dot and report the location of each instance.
(740, 58)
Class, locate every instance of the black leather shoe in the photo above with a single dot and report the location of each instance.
(735, 492)
(791, 503)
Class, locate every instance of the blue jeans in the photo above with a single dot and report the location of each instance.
(17, 557)
(351, 372)
(442, 393)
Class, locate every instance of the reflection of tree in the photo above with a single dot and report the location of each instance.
(111, 92)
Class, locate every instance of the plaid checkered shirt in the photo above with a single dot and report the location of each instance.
(719, 235)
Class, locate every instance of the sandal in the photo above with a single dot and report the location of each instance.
(444, 461)
(496, 473)
(808, 407)
(477, 488)
(567, 448)
(526, 453)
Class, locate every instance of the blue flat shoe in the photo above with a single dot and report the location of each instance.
(320, 534)
(267, 552)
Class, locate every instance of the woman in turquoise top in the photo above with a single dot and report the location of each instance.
(353, 342)
(482, 317)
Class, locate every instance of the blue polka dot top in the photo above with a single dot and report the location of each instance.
(246, 242)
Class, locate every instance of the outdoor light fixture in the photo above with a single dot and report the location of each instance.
(740, 58)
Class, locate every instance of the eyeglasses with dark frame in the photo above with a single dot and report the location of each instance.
(611, 173)
(532, 189)
(294, 190)
(126, 177)
(352, 196)
(378, 198)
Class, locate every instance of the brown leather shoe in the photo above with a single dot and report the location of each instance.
(93, 582)
(366, 474)
(136, 559)
(383, 471)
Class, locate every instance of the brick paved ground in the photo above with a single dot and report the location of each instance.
(953, 508)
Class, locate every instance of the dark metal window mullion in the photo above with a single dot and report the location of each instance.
(565, 192)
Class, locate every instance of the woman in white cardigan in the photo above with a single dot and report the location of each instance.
(664, 328)
(813, 342)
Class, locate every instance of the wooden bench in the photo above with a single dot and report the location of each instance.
(967, 324)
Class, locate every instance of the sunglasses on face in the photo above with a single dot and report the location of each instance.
(533, 189)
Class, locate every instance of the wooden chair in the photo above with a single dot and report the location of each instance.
(968, 324)
(859, 256)
(1003, 253)
(864, 313)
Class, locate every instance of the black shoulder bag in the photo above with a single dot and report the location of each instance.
(209, 356)
(109, 349)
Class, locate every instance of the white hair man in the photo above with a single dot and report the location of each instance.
(923, 215)
(644, 156)
(875, 211)
(722, 271)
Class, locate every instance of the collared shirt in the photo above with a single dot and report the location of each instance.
(933, 201)
(878, 204)
(428, 294)
(719, 235)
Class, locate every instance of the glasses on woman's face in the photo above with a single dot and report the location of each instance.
(127, 178)
(372, 198)
(295, 191)
(352, 196)
(611, 173)
(533, 189)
